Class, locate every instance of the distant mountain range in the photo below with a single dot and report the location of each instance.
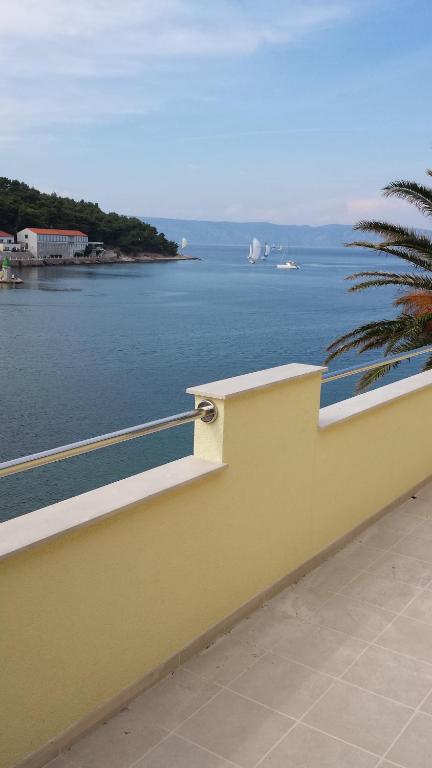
(241, 233)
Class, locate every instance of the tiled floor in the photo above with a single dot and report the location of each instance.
(335, 672)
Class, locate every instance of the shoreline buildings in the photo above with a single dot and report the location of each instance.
(52, 243)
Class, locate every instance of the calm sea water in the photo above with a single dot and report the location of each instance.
(88, 350)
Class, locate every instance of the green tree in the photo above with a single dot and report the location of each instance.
(412, 327)
(23, 206)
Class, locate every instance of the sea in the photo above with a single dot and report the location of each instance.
(86, 350)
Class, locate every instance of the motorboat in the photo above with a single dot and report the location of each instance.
(288, 264)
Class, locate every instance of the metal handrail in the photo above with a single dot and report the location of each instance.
(206, 411)
(343, 372)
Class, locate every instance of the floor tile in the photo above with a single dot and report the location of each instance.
(425, 494)
(117, 743)
(413, 749)
(299, 601)
(427, 705)
(386, 593)
(174, 699)
(324, 649)
(263, 628)
(418, 506)
(403, 568)
(237, 729)
(421, 608)
(59, 762)
(331, 575)
(359, 717)
(392, 675)
(282, 685)
(400, 521)
(175, 752)
(305, 748)
(416, 545)
(353, 617)
(381, 537)
(408, 636)
(359, 555)
(225, 659)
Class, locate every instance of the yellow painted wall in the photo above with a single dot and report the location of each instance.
(87, 614)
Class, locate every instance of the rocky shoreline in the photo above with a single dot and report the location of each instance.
(107, 257)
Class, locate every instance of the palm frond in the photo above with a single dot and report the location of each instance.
(374, 375)
(396, 233)
(417, 194)
(381, 333)
(416, 281)
(424, 261)
(417, 302)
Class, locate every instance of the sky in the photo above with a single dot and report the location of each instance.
(290, 111)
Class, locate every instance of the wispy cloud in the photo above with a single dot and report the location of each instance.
(63, 60)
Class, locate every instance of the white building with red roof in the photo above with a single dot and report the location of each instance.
(52, 243)
(6, 240)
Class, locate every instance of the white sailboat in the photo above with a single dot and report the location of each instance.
(267, 250)
(184, 243)
(255, 251)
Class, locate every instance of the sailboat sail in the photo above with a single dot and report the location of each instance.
(255, 251)
(184, 243)
(266, 251)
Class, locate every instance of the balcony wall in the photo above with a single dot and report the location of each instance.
(103, 593)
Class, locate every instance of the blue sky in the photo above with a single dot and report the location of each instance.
(291, 111)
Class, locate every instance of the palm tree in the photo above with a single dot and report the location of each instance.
(412, 328)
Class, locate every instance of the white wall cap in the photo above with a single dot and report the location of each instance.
(238, 385)
(57, 519)
(355, 406)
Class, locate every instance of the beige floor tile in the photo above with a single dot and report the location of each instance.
(225, 659)
(403, 568)
(387, 764)
(392, 675)
(300, 602)
(305, 748)
(174, 699)
(330, 576)
(425, 527)
(282, 685)
(175, 752)
(418, 506)
(263, 628)
(359, 717)
(324, 649)
(413, 749)
(421, 608)
(386, 593)
(59, 762)
(427, 705)
(416, 545)
(400, 521)
(353, 617)
(236, 729)
(425, 494)
(116, 744)
(408, 636)
(381, 537)
(359, 555)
